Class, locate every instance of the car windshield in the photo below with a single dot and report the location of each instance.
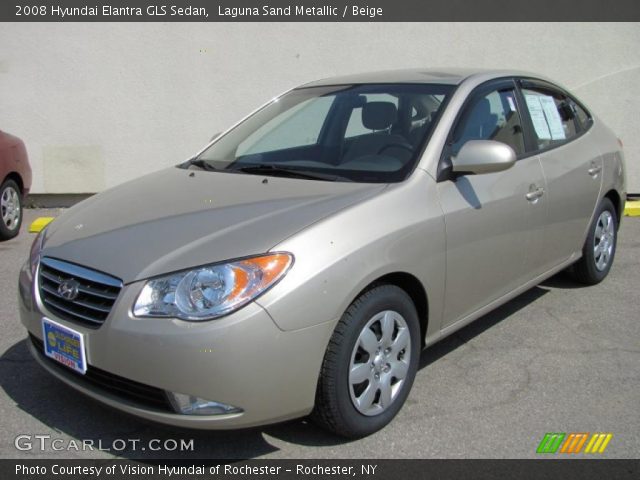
(360, 133)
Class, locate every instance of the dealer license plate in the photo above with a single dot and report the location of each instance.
(64, 345)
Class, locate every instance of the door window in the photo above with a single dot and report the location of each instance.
(554, 116)
(493, 116)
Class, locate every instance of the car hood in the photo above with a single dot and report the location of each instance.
(176, 219)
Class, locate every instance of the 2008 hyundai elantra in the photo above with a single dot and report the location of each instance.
(301, 261)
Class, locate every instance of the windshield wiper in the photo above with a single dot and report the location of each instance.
(198, 162)
(275, 170)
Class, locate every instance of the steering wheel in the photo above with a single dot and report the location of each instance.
(405, 146)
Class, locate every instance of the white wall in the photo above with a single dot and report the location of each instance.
(98, 104)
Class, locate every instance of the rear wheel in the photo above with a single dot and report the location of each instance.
(370, 363)
(10, 210)
(599, 248)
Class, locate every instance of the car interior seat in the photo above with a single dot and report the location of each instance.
(379, 117)
(480, 124)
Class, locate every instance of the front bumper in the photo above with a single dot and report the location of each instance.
(243, 360)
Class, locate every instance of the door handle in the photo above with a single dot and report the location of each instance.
(593, 171)
(534, 195)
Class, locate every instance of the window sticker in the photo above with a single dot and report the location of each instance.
(553, 118)
(512, 104)
(537, 116)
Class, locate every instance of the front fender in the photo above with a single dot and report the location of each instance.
(399, 230)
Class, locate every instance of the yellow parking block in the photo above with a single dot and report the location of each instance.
(39, 224)
(632, 208)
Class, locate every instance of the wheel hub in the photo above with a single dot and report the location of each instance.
(380, 363)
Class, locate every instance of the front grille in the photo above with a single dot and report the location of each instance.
(95, 296)
(135, 392)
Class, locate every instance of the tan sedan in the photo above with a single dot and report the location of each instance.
(301, 261)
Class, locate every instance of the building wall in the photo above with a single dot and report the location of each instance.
(101, 103)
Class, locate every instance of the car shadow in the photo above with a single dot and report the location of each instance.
(563, 281)
(61, 409)
(482, 324)
(468, 193)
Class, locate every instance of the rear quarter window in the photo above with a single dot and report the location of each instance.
(583, 117)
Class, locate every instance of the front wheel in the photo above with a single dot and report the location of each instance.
(370, 363)
(599, 248)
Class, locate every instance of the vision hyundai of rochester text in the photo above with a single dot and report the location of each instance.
(301, 261)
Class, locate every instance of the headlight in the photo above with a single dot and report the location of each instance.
(34, 254)
(211, 291)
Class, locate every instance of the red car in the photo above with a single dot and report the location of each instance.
(15, 182)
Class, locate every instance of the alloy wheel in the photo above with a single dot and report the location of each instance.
(10, 208)
(603, 240)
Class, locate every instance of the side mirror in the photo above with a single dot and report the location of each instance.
(483, 156)
(215, 135)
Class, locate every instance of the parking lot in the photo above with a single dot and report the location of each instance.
(559, 358)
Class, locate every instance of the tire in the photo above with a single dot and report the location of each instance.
(599, 248)
(349, 408)
(10, 210)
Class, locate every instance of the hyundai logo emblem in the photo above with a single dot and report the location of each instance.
(68, 289)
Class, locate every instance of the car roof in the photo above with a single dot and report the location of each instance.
(448, 76)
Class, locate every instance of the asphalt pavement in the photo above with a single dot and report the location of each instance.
(559, 358)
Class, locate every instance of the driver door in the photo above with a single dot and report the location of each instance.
(494, 227)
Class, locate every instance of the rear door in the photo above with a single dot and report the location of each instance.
(558, 129)
(494, 224)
